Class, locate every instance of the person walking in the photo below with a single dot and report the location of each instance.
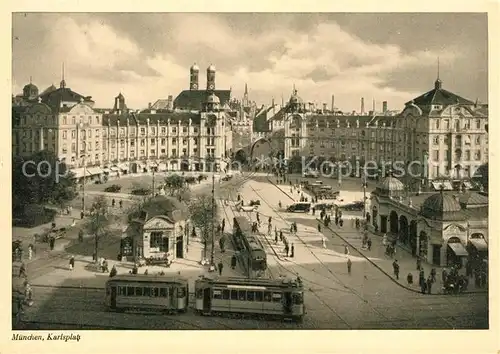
(233, 261)
(319, 227)
(349, 265)
(346, 250)
(421, 278)
(369, 244)
(223, 224)
(292, 251)
(323, 240)
(72, 263)
(286, 250)
(429, 284)
(80, 236)
(220, 266)
(419, 263)
(341, 222)
(22, 271)
(113, 202)
(30, 252)
(433, 275)
(121, 204)
(395, 267)
(113, 271)
(275, 237)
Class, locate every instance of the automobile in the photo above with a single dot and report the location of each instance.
(254, 202)
(354, 206)
(115, 188)
(227, 177)
(247, 208)
(310, 174)
(323, 206)
(303, 207)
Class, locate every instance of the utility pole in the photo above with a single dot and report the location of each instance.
(364, 193)
(213, 220)
(154, 182)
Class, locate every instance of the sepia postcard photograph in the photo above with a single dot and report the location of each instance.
(202, 171)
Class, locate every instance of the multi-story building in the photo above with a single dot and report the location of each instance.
(440, 135)
(122, 140)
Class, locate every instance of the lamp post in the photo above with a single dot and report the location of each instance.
(212, 254)
(364, 193)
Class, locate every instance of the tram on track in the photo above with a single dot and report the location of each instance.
(252, 253)
(147, 292)
(280, 298)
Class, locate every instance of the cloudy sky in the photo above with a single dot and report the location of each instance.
(389, 57)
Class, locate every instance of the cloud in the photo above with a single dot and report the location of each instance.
(149, 57)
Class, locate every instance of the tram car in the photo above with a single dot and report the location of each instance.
(253, 254)
(278, 298)
(147, 293)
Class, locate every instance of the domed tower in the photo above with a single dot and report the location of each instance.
(30, 91)
(120, 107)
(211, 78)
(295, 104)
(212, 104)
(194, 77)
(442, 207)
(390, 187)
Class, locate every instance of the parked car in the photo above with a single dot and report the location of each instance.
(310, 174)
(354, 206)
(323, 206)
(227, 177)
(254, 202)
(141, 191)
(113, 188)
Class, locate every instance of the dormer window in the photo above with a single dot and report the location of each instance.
(437, 107)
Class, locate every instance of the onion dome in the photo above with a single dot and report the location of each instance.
(30, 86)
(295, 98)
(441, 206)
(390, 187)
(212, 98)
(195, 68)
(211, 68)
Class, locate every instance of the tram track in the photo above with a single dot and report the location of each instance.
(338, 280)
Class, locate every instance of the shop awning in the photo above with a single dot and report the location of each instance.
(446, 185)
(114, 168)
(92, 171)
(458, 249)
(162, 167)
(106, 170)
(479, 243)
(78, 172)
(467, 184)
(123, 166)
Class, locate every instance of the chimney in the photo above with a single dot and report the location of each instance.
(325, 107)
(371, 113)
(333, 103)
(362, 105)
(149, 105)
(170, 102)
(384, 106)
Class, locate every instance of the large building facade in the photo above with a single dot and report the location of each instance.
(195, 135)
(439, 136)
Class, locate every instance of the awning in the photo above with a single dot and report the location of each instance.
(479, 243)
(458, 249)
(173, 162)
(106, 170)
(123, 166)
(78, 172)
(447, 186)
(114, 168)
(162, 167)
(436, 185)
(467, 184)
(92, 171)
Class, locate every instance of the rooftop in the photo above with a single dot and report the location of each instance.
(194, 99)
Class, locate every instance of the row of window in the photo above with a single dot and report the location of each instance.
(436, 154)
(151, 291)
(251, 295)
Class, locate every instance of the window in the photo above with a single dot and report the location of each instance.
(155, 292)
(477, 155)
(153, 130)
(97, 133)
(478, 140)
(132, 143)
(65, 134)
(478, 123)
(174, 130)
(258, 296)
(90, 120)
(97, 145)
(146, 291)
(195, 130)
(242, 295)
(195, 141)
(267, 296)
(276, 297)
(467, 155)
(138, 291)
(217, 294)
(152, 141)
(181, 293)
(73, 120)
(156, 240)
(130, 291)
(184, 141)
(250, 296)
(143, 131)
(96, 120)
(436, 140)
(174, 140)
(73, 134)
(163, 141)
(163, 130)
(143, 142)
(234, 294)
(437, 123)
(184, 129)
(163, 292)
(225, 294)
(297, 298)
(435, 155)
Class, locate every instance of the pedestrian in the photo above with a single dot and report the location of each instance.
(336, 220)
(146, 272)
(281, 235)
(349, 264)
(444, 275)
(429, 284)
(30, 252)
(421, 277)
(323, 240)
(286, 250)
(135, 269)
(223, 224)
(113, 202)
(233, 261)
(319, 227)
(423, 286)
(121, 204)
(409, 278)
(341, 222)
(22, 271)
(220, 266)
(419, 263)
(113, 271)
(52, 242)
(72, 263)
(369, 244)
(80, 236)
(433, 275)
(346, 250)
(395, 267)
(292, 251)
(276, 237)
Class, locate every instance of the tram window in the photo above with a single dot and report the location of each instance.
(267, 296)
(258, 296)
(138, 291)
(130, 291)
(120, 290)
(297, 298)
(181, 292)
(234, 294)
(146, 292)
(171, 292)
(199, 294)
(276, 297)
(250, 295)
(155, 292)
(225, 294)
(217, 294)
(163, 292)
(242, 295)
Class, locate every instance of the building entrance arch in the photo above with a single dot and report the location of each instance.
(393, 222)
(412, 237)
(403, 230)
(423, 242)
(241, 156)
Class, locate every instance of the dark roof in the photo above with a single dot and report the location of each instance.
(472, 199)
(441, 206)
(391, 184)
(260, 124)
(439, 96)
(141, 118)
(54, 98)
(48, 89)
(163, 206)
(160, 104)
(194, 99)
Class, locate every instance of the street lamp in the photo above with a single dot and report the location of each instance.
(84, 156)
(365, 184)
(213, 220)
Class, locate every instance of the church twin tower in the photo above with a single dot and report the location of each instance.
(194, 78)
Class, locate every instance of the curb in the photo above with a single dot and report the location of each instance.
(373, 263)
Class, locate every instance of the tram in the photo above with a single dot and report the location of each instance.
(281, 298)
(147, 292)
(252, 251)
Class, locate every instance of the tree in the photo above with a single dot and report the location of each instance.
(203, 213)
(176, 185)
(41, 178)
(99, 222)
